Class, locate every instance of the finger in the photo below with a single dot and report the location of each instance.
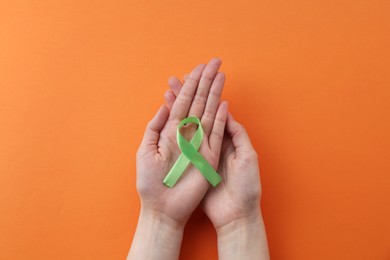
(153, 129)
(216, 136)
(169, 98)
(183, 101)
(239, 136)
(175, 85)
(213, 103)
(202, 92)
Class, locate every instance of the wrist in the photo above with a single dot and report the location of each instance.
(149, 217)
(157, 237)
(243, 238)
(241, 223)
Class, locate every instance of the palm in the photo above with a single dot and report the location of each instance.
(236, 194)
(183, 198)
(239, 192)
(199, 97)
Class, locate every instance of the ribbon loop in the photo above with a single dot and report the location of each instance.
(190, 154)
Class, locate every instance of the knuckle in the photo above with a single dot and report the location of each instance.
(217, 136)
(220, 119)
(184, 97)
(200, 98)
(193, 79)
(216, 93)
(208, 114)
(208, 76)
(202, 95)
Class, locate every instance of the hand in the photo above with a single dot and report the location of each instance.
(234, 205)
(200, 97)
(238, 194)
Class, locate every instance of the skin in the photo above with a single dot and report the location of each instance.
(233, 206)
(165, 211)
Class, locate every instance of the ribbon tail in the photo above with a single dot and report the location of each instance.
(202, 165)
(176, 171)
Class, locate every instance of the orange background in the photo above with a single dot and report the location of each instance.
(79, 80)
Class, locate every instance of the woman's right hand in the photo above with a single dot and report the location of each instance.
(200, 97)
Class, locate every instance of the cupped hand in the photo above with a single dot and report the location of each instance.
(200, 97)
(237, 197)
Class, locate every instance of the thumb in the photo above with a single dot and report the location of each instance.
(239, 136)
(153, 129)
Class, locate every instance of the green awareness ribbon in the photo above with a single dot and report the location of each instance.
(190, 154)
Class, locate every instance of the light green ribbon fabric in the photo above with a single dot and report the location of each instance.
(190, 154)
